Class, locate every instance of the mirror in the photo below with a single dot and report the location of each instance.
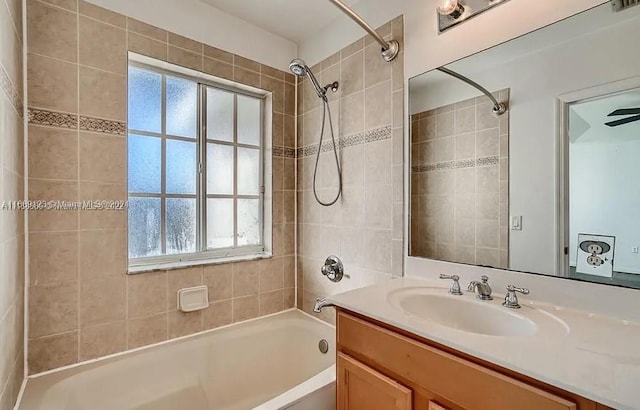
(552, 186)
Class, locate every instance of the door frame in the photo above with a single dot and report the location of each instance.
(563, 102)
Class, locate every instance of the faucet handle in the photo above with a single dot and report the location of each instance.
(511, 299)
(485, 278)
(512, 288)
(333, 269)
(455, 286)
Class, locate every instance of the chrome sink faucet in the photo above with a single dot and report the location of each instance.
(482, 288)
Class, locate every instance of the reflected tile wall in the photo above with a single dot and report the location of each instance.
(364, 228)
(460, 183)
(82, 304)
(12, 263)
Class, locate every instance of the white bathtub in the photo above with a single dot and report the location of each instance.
(267, 364)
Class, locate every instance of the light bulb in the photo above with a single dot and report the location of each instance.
(446, 7)
(450, 8)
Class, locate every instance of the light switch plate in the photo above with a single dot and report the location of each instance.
(516, 223)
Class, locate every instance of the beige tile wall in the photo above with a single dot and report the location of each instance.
(12, 261)
(460, 183)
(365, 227)
(82, 304)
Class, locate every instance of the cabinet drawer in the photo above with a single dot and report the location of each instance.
(457, 380)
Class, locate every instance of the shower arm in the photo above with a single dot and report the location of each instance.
(498, 107)
(390, 49)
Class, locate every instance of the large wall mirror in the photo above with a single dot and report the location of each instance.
(552, 185)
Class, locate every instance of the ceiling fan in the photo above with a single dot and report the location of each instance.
(633, 112)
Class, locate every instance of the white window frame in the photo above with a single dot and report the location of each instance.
(204, 255)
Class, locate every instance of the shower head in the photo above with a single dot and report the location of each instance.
(300, 68)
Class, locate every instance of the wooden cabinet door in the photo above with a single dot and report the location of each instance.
(362, 388)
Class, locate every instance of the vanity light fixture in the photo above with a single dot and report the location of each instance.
(453, 12)
(450, 8)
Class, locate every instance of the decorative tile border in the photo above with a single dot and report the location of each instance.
(377, 134)
(482, 162)
(352, 140)
(7, 87)
(466, 163)
(459, 164)
(416, 169)
(284, 152)
(52, 118)
(103, 126)
(73, 121)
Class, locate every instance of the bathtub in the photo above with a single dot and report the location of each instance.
(268, 363)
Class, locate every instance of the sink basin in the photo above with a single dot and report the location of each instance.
(464, 313)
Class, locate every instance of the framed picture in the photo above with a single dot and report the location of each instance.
(595, 255)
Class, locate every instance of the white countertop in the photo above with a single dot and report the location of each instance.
(597, 358)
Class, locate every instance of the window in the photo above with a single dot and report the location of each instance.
(195, 162)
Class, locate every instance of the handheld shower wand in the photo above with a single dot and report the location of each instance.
(299, 68)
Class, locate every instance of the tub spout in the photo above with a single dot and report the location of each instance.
(321, 303)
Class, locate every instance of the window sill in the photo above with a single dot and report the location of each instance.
(154, 267)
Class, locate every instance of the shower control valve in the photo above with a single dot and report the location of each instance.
(333, 269)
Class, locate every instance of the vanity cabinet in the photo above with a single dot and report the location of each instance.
(383, 368)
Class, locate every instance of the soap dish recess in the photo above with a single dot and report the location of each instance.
(192, 299)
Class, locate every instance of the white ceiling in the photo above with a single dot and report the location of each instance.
(294, 20)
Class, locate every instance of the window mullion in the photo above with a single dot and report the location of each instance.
(235, 170)
(202, 170)
(163, 168)
(261, 188)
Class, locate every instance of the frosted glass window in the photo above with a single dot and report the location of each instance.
(145, 232)
(145, 165)
(145, 100)
(182, 107)
(248, 222)
(220, 115)
(195, 164)
(220, 223)
(220, 169)
(248, 171)
(181, 225)
(249, 120)
(181, 167)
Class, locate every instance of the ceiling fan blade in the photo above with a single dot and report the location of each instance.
(625, 111)
(623, 121)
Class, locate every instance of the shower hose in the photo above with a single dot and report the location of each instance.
(326, 111)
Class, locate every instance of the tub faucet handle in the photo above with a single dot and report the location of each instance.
(455, 286)
(333, 269)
